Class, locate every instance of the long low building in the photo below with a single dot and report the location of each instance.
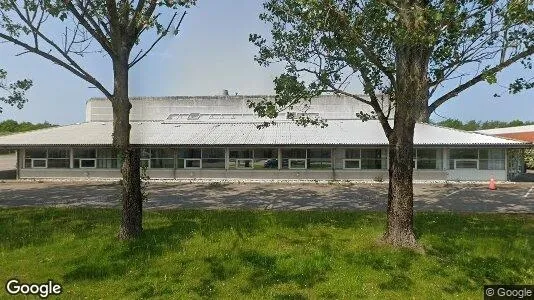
(218, 137)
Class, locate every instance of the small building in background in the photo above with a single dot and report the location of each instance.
(218, 137)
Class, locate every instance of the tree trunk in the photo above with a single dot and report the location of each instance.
(132, 199)
(410, 101)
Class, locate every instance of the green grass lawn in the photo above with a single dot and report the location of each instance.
(255, 254)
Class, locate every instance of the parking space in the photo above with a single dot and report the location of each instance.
(272, 196)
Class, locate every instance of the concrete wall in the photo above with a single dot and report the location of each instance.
(159, 108)
(480, 175)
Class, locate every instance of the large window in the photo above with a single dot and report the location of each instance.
(319, 159)
(107, 158)
(294, 159)
(85, 158)
(157, 158)
(365, 158)
(373, 159)
(266, 158)
(189, 158)
(241, 159)
(491, 159)
(483, 159)
(213, 158)
(53, 158)
(428, 159)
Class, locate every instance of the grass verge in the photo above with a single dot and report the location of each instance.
(255, 254)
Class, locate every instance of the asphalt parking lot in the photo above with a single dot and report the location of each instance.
(509, 198)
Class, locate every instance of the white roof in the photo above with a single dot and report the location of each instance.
(338, 132)
(516, 129)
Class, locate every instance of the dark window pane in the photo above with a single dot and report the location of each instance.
(87, 163)
(352, 164)
(84, 153)
(35, 153)
(192, 163)
(213, 163)
(352, 153)
(213, 153)
(189, 153)
(58, 153)
(59, 163)
(162, 153)
(39, 163)
(162, 163)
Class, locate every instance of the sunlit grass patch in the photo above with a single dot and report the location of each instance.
(256, 254)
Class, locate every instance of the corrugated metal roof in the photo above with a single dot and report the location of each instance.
(515, 129)
(338, 132)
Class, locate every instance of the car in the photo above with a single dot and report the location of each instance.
(271, 163)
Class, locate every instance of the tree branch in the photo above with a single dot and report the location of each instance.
(453, 93)
(85, 76)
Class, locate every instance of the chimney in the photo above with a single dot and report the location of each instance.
(225, 92)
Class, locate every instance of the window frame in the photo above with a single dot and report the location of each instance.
(39, 159)
(466, 159)
(88, 159)
(251, 160)
(192, 159)
(290, 160)
(345, 160)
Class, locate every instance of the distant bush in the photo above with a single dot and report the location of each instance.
(12, 126)
(479, 125)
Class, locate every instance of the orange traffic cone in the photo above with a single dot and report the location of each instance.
(492, 185)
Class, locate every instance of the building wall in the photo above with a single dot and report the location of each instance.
(159, 108)
(338, 173)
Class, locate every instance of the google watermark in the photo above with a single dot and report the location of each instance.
(43, 290)
(508, 292)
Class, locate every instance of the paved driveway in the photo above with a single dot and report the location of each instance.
(275, 196)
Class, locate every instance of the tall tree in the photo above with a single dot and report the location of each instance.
(13, 93)
(401, 50)
(117, 27)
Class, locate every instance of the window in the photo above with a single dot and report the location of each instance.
(319, 159)
(189, 158)
(483, 159)
(428, 159)
(107, 158)
(87, 163)
(491, 159)
(241, 159)
(83, 156)
(54, 158)
(372, 159)
(349, 163)
(213, 158)
(294, 159)
(266, 158)
(157, 158)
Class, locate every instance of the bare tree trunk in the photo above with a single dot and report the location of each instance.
(132, 199)
(410, 101)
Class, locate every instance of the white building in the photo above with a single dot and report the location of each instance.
(218, 137)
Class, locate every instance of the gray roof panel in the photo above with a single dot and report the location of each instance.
(338, 132)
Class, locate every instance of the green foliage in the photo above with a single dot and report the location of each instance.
(324, 45)
(473, 125)
(14, 93)
(11, 126)
(198, 254)
(529, 158)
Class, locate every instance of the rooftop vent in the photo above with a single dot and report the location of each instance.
(193, 116)
(225, 92)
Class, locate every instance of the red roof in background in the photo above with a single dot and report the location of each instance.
(522, 136)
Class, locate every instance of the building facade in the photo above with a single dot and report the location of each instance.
(218, 138)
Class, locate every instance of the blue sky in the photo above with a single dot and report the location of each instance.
(211, 53)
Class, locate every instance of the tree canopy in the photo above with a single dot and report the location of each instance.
(13, 93)
(480, 125)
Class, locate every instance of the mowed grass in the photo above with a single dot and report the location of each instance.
(257, 254)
